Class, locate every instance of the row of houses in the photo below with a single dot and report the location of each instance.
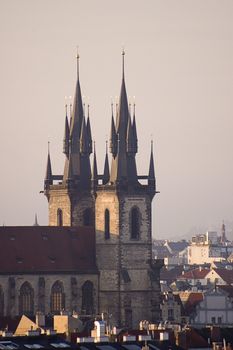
(212, 307)
(202, 249)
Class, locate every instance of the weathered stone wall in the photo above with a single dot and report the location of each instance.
(126, 290)
(81, 202)
(72, 205)
(73, 294)
(59, 199)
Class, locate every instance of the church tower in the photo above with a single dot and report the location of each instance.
(129, 280)
(69, 195)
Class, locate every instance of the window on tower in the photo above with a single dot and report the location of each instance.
(134, 223)
(107, 224)
(59, 217)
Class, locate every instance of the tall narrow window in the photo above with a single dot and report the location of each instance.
(1, 302)
(87, 217)
(26, 300)
(59, 217)
(135, 223)
(87, 298)
(106, 224)
(57, 297)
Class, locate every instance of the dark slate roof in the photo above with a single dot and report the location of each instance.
(227, 289)
(47, 249)
(226, 275)
(177, 246)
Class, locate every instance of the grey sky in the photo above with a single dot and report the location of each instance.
(179, 65)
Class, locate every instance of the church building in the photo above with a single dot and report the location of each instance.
(96, 254)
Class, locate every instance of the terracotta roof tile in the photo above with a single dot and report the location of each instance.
(48, 249)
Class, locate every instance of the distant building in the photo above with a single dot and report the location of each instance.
(214, 309)
(208, 248)
(171, 308)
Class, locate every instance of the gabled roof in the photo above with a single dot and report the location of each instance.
(194, 274)
(47, 249)
(177, 246)
(193, 300)
(226, 275)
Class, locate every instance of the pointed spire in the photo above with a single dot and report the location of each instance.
(135, 137)
(89, 137)
(66, 135)
(77, 113)
(113, 138)
(94, 176)
(122, 110)
(151, 167)
(84, 148)
(48, 175)
(106, 167)
(36, 221)
(223, 235)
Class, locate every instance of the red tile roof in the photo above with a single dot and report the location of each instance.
(194, 274)
(48, 249)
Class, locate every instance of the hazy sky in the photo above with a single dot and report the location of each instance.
(179, 67)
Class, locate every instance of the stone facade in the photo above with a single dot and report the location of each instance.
(42, 287)
(126, 290)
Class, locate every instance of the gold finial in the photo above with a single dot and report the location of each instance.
(123, 63)
(106, 143)
(77, 57)
(151, 142)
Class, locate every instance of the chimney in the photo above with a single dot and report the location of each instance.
(40, 319)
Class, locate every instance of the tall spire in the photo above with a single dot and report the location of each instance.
(106, 166)
(134, 127)
(77, 113)
(66, 135)
(113, 137)
(48, 175)
(123, 169)
(151, 177)
(80, 144)
(94, 170)
(36, 221)
(89, 137)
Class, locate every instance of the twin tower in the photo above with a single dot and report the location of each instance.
(117, 203)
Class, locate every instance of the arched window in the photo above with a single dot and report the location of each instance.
(87, 217)
(26, 299)
(1, 302)
(57, 297)
(106, 224)
(59, 217)
(135, 223)
(87, 298)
